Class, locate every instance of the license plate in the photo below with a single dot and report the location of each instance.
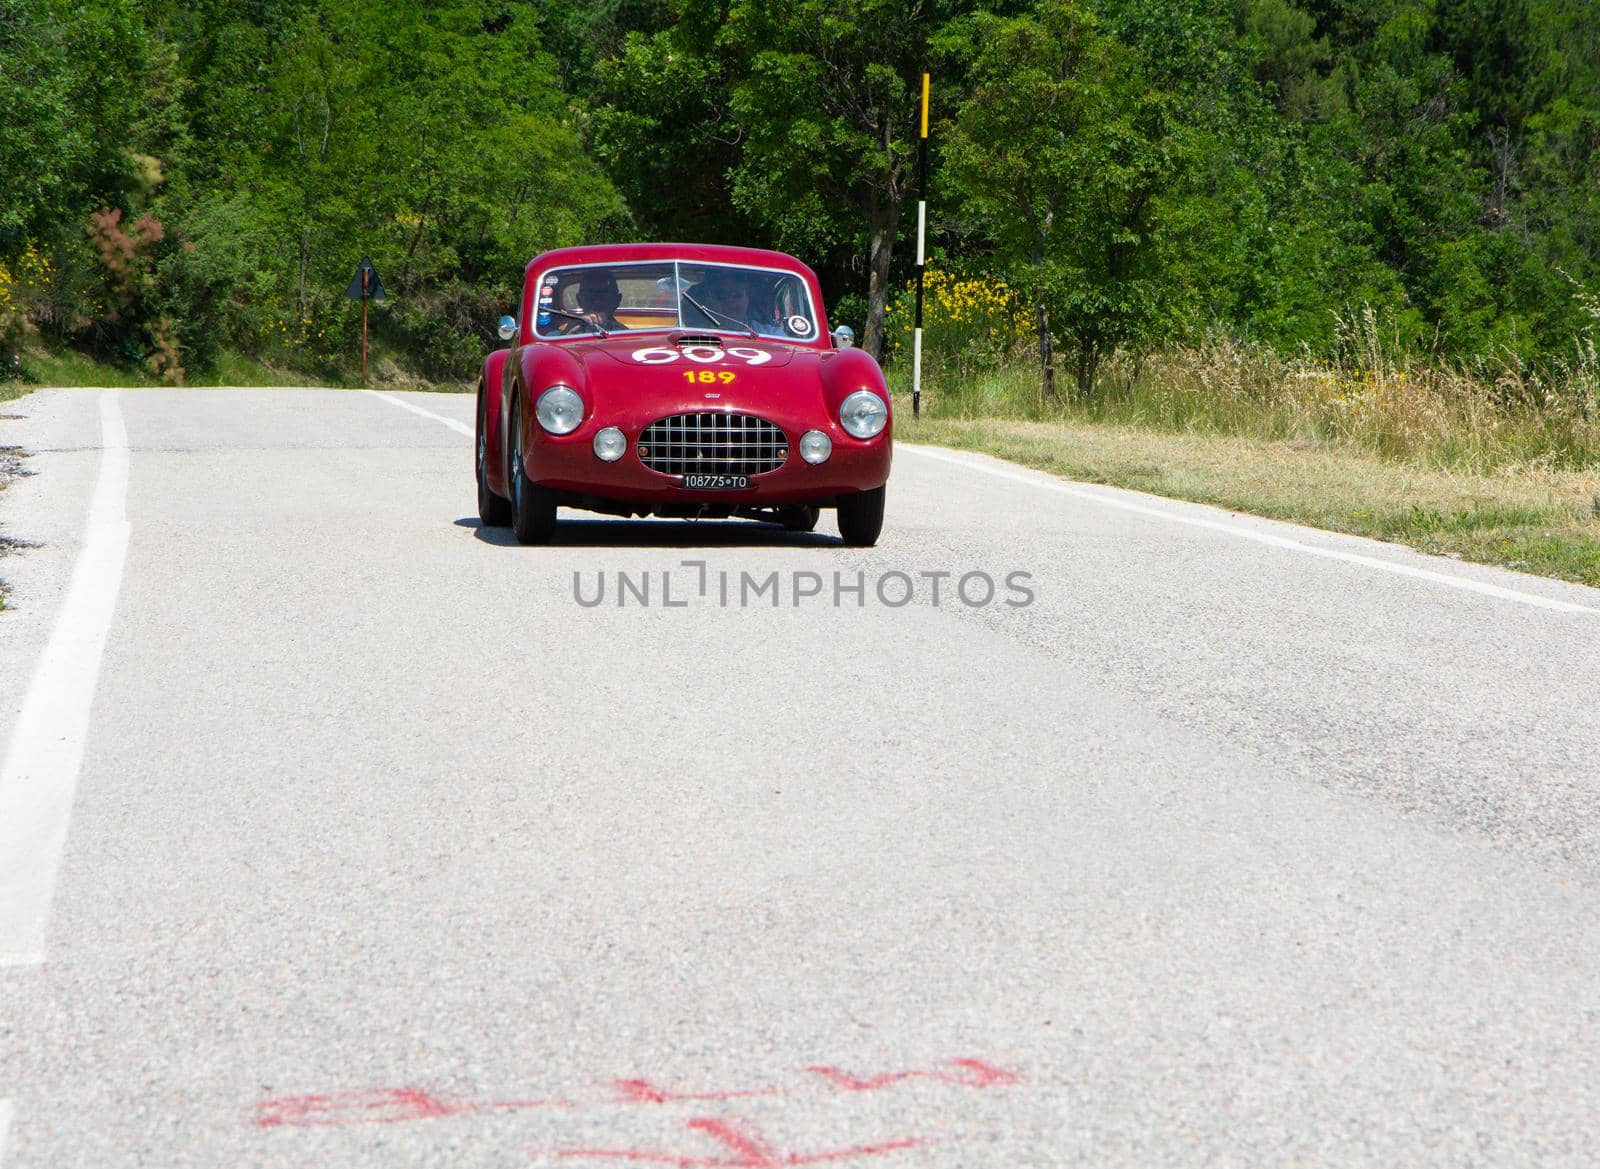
(717, 482)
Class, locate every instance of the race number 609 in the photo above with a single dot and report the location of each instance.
(704, 354)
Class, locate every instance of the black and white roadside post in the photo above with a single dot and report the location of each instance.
(365, 286)
(922, 255)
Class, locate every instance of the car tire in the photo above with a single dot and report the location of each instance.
(800, 519)
(861, 517)
(494, 511)
(533, 508)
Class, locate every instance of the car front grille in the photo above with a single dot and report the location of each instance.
(713, 443)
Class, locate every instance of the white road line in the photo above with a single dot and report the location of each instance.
(40, 774)
(458, 427)
(1455, 582)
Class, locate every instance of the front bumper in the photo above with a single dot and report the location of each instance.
(567, 463)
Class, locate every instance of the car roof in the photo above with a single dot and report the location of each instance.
(707, 253)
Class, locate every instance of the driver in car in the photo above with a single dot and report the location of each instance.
(598, 300)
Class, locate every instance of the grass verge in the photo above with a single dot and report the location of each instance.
(1528, 518)
(43, 363)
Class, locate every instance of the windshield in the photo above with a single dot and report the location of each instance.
(600, 299)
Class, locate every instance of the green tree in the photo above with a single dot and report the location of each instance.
(41, 143)
(664, 128)
(1078, 165)
(431, 137)
(828, 99)
(71, 81)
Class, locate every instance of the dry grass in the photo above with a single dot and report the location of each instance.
(1376, 396)
(1534, 519)
(1487, 463)
(1373, 396)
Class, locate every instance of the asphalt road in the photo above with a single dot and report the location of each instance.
(1238, 845)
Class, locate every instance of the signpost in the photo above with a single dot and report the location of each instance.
(922, 255)
(365, 286)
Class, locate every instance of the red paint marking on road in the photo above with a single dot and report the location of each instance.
(751, 1151)
(393, 1105)
(751, 1148)
(362, 1106)
(973, 1073)
(984, 1074)
(377, 1106)
(645, 1092)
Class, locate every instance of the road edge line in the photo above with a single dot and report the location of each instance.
(1483, 587)
(458, 427)
(39, 778)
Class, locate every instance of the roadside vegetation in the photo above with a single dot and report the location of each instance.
(1530, 518)
(49, 363)
(188, 182)
(1299, 234)
(1483, 461)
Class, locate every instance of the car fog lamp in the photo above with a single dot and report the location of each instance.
(815, 447)
(609, 444)
(559, 410)
(863, 414)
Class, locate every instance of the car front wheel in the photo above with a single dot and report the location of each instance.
(533, 508)
(861, 517)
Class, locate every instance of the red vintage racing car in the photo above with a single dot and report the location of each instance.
(683, 380)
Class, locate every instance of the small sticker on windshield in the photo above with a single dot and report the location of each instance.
(798, 325)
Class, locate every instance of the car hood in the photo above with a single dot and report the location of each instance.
(656, 349)
(658, 374)
(648, 377)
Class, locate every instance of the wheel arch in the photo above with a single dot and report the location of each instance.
(493, 412)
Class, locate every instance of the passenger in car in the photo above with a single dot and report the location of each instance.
(732, 303)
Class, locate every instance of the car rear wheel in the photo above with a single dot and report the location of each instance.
(861, 517)
(493, 510)
(533, 508)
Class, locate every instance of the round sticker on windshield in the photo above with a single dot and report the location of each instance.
(798, 325)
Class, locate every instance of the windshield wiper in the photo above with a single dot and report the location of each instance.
(561, 312)
(714, 315)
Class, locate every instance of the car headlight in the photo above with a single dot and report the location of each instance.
(815, 447)
(609, 444)
(863, 414)
(559, 410)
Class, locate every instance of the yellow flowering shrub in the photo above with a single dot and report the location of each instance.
(964, 319)
(13, 312)
(28, 292)
(8, 305)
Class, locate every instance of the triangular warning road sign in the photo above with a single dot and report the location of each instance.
(365, 285)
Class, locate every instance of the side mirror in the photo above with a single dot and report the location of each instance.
(507, 328)
(843, 337)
